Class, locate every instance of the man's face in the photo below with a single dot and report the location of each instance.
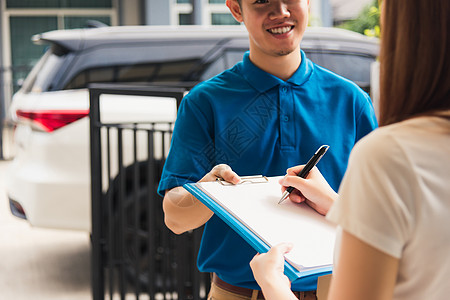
(275, 27)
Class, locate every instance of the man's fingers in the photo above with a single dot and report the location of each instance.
(225, 172)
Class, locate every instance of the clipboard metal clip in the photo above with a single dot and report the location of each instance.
(246, 180)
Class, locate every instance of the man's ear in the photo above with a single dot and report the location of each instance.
(235, 10)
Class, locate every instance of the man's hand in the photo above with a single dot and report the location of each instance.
(222, 171)
(184, 212)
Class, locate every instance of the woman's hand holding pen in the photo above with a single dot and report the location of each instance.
(314, 189)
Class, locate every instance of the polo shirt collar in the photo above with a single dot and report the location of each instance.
(263, 81)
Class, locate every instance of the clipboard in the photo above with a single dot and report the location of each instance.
(251, 209)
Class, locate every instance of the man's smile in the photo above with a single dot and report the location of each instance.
(280, 30)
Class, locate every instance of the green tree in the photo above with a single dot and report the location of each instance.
(367, 22)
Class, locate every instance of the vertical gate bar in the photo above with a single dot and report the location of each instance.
(167, 255)
(121, 215)
(178, 267)
(187, 279)
(196, 238)
(151, 238)
(137, 208)
(193, 270)
(207, 283)
(206, 277)
(176, 262)
(111, 255)
(181, 247)
(190, 266)
(97, 271)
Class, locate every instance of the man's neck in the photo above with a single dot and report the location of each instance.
(282, 67)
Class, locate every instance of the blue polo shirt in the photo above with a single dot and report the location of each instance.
(259, 124)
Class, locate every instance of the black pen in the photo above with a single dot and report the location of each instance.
(305, 171)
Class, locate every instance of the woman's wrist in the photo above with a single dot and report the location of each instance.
(324, 204)
(330, 201)
(276, 287)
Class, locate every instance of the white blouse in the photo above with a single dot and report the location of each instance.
(395, 197)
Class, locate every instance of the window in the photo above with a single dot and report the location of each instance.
(29, 17)
(58, 4)
(223, 19)
(355, 67)
(81, 22)
(172, 71)
(42, 74)
(228, 59)
(185, 19)
(25, 53)
(213, 12)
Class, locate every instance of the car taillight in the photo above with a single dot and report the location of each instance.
(50, 120)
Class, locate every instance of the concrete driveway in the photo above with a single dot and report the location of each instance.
(40, 263)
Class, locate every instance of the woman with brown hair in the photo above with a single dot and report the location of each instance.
(393, 206)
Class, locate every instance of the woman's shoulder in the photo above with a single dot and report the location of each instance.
(408, 138)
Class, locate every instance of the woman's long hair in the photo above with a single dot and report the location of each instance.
(414, 59)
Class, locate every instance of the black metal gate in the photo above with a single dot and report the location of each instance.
(133, 253)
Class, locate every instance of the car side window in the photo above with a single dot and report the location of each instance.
(140, 62)
(41, 76)
(313, 56)
(353, 66)
(227, 59)
(169, 71)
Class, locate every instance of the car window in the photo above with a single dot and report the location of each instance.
(152, 60)
(313, 56)
(227, 59)
(169, 71)
(41, 76)
(232, 56)
(170, 61)
(355, 67)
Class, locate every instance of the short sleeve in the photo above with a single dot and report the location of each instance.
(192, 147)
(376, 197)
(366, 120)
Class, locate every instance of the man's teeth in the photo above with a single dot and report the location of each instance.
(280, 30)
